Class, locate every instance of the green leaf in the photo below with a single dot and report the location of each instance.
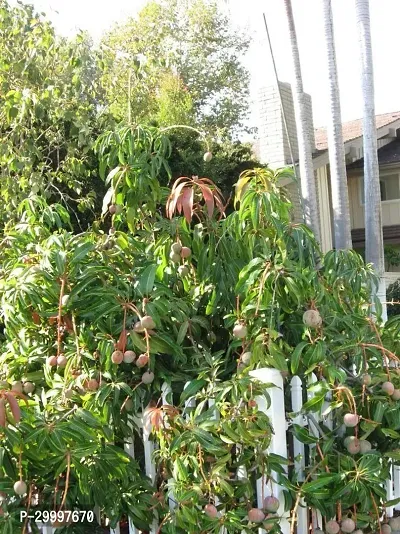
(322, 481)
(182, 332)
(303, 435)
(393, 502)
(107, 200)
(111, 174)
(131, 214)
(227, 488)
(60, 260)
(314, 404)
(81, 251)
(394, 455)
(390, 433)
(191, 389)
(12, 113)
(296, 355)
(146, 280)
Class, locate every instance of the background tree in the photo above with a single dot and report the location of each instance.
(190, 39)
(229, 159)
(374, 252)
(340, 193)
(49, 118)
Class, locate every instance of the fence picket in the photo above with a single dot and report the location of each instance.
(166, 391)
(390, 492)
(310, 395)
(130, 449)
(45, 529)
(148, 459)
(115, 530)
(396, 484)
(316, 515)
(211, 403)
(298, 449)
(277, 415)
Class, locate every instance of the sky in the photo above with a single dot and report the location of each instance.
(96, 16)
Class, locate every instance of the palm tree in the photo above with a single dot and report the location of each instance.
(373, 216)
(340, 194)
(307, 178)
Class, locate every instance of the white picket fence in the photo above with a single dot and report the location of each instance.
(279, 445)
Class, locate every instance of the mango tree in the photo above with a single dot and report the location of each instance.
(166, 289)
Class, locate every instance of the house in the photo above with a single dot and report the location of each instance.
(273, 148)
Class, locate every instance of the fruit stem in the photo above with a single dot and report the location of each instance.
(66, 480)
(377, 512)
(386, 351)
(27, 509)
(350, 398)
(134, 309)
(202, 471)
(147, 337)
(374, 328)
(20, 465)
(163, 522)
(123, 404)
(78, 350)
(55, 493)
(261, 286)
(124, 329)
(322, 457)
(355, 513)
(299, 494)
(59, 317)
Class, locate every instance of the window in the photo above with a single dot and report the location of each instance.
(390, 187)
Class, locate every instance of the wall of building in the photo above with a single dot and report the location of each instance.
(323, 203)
(324, 206)
(390, 209)
(293, 193)
(359, 152)
(273, 143)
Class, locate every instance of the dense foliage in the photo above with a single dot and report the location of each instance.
(130, 287)
(49, 91)
(186, 51)
(393, 295)
(56, 98)
(99, 326)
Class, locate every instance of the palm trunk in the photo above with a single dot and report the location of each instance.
(373, 216)
(340, 193)
(307, 178)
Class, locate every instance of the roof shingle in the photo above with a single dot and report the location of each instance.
(387, 154)
(353, 129)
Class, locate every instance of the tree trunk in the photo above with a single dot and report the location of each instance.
(373, 215)
(340, 193)
(307, 178)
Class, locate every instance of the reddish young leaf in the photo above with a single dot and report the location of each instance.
(156, 418)
(174, 196)
(2, 413)
(68, 323)
(187, 203)
(208, 198)
(15, 409)
(121, 343)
